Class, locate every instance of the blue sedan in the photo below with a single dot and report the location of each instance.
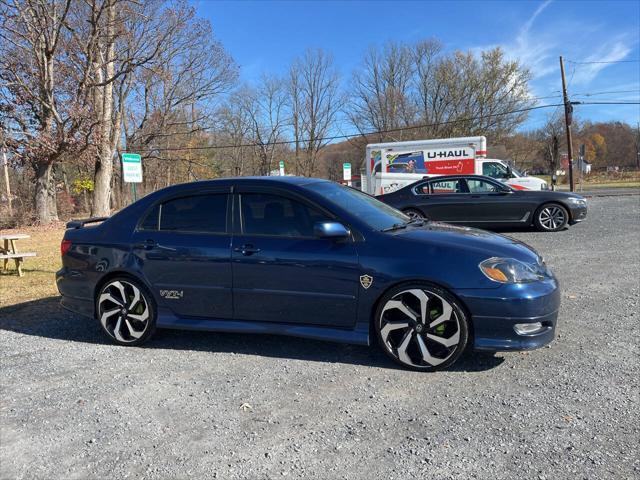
(307, 258)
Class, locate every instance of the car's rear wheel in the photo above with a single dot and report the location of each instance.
(414, 213)
(421, 327)
(551, 217)
(126, 311)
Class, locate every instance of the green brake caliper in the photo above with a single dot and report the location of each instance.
(439, 330)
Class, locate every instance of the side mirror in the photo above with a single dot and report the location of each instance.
(509, 172)
(333, 230)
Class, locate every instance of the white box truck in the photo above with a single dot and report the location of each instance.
(390, 166)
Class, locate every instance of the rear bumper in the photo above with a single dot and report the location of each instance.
(495, 314)
(75, 290)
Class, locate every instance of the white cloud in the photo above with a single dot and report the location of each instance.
(533, 51)
(609, 52)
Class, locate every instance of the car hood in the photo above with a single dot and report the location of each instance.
(470, 240)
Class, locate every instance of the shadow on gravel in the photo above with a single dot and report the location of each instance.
(45, 318)
(524, 230)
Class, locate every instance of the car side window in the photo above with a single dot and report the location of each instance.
(267, 214)
(196, 213)
(481, 186)
(152, 220)
(447, 186)
(422, 189)
(494, 170)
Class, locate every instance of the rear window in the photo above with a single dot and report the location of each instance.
(196, 213)
(447, 186)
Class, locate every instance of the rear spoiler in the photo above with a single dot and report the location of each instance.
(81, 223)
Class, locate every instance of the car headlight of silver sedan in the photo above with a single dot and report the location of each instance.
(510, 270)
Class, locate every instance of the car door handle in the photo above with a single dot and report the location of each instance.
(151, 244)
(246, 249)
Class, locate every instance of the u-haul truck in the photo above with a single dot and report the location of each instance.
(390, 166)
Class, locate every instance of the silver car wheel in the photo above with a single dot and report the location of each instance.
(419, 328)
(123, 311)
(552, 217)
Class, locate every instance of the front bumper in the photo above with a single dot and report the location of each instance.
(495, 313)
(578, 213)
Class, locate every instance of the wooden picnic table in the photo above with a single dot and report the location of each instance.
(9, 251)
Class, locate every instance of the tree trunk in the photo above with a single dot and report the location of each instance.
(43, 194)
(104, 97)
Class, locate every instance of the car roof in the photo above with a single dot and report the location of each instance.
(291, 180)
(237, 181)
(456, 177)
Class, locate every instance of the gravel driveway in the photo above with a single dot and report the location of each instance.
(206, 405)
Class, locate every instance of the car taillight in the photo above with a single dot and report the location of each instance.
(65, 245)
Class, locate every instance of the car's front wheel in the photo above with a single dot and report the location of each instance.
(126, 311)
(421, 326)
(551, 217)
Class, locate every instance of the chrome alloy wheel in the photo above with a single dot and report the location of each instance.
(552, 217)
(413, 214)
(419, 328)
(123, 311)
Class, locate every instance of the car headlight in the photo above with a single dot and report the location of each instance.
(510, 270)
(577, 201)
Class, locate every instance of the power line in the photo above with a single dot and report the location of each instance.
(546, 97)
(610, 61)
(365, 134)
(362, 134)
(605, 93)
(612, 102)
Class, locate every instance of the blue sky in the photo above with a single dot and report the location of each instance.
(266, 36)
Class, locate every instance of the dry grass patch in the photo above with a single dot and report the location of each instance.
(39, 272)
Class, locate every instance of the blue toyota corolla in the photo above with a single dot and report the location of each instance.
(308, 258)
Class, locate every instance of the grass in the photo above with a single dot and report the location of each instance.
(599, 180)
(39, 272)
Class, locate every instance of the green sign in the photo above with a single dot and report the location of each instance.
(282, 168)
(346, 172)
(132, 168)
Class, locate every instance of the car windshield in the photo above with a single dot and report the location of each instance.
(517, 172)
(374, 213)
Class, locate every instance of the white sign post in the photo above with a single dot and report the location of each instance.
(346, 173)
(282, 168)
(132, 171)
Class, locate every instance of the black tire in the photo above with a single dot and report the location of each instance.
(551, 217)
(407, 345)
(414, 213)
(133, 321)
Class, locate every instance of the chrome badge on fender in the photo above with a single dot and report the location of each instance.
(366, 281)
(171, 294)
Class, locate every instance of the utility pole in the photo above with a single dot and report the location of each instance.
(5, 168)
(568, 110)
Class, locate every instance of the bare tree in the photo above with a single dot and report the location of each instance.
(550, 140)
(173, 102)
(315, 102)
(235, 127)
(40, 128)
(417, 91)
(264, 108)
(381, 91)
